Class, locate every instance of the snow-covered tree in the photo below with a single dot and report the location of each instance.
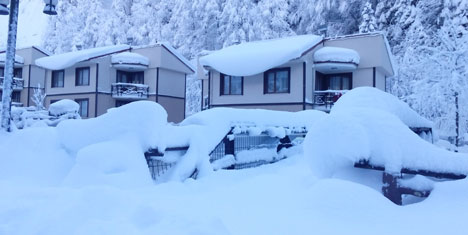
(368, 22)
(38, 98)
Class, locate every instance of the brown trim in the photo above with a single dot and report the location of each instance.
(209, 89)
(157, 84)
(41, 51)
(303, 85)
(221, 85)
(174, 97)
(29, 85)
(97, 85)
(130, 64)
(257, 104)
(69, 94)
(178, 58)
(202, 92)
(335, 62)
(373, 77)
(185, 95)
(275, 70)
(312, 48)
(77, 73)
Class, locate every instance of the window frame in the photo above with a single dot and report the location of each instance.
(2, 73)
(275, 71)
(55, 84)
(87, 108)
(78, 79)
(221, 85)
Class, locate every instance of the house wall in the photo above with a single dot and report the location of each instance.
(380, 79)
(253, 89)
(363, 77)
(175, 108)
(171, 83)
(69, 80)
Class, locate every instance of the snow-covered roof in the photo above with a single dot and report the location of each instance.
(336, 54)
(129, 58)
(65, 60)
(252, 58)
(18, 59)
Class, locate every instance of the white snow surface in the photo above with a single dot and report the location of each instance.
(252, 58)
(63, 107)
(66, 60)
(372, 98)
(336, 54)
(376, 133)
(129, 58)
(18, 59)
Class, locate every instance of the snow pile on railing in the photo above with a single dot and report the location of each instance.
(336, 54)
(368, 124)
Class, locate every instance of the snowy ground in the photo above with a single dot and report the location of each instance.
(283, 198)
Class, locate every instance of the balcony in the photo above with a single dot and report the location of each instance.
(18, 84)
(129, 91)
(324, 100)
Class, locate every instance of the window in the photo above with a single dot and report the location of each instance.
(17, 73)
(130, 77)
(231, 85)
(119, 103)
(53, 101)
(82, 76)
(16, 96)
(277, 81)
(84, 105)
(57, 78)
(339, 81)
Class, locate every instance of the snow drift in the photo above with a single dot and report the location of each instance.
(368, 124)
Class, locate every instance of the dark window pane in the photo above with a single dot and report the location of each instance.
(226, 81)
(236, 85)
(271, 82)
(282, 81)
(57, 78)
(335, 83)
(18, 73)
(2, 71)
(83, 111)
(346, 83)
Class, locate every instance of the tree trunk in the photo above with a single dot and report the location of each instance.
(9, 66)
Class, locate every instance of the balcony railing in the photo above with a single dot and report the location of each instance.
(18, 83)
(130, 91)
(326, 99)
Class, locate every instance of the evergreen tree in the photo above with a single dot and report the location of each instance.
(368, 23)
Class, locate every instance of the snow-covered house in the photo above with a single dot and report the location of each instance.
(27, 75)
(294, 73)
(111, 76)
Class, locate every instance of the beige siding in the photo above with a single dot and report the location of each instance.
(174, 107)
(380, 80)
(105, 102)
(363, 77)
(253, 90)
(171, 83)
(69, 81)
(159, 56)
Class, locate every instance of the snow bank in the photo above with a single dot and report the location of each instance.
(252, 58)
(146, 120)
(66, 60)
(373, 98)
(64, 106)
(336, 54)
(129, 58)
(351, 134)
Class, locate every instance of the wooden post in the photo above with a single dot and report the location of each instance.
(390, 188)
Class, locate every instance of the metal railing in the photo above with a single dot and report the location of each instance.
(327, 99)
(17, 84)
(129, 91)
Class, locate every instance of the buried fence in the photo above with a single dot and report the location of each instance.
(240, 150)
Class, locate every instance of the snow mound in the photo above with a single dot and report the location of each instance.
(373, 98)
(336, 54)
(64, 106)
(66, 60)
(252, 58)
(146, 120)
(129, 58)
(376, 134)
